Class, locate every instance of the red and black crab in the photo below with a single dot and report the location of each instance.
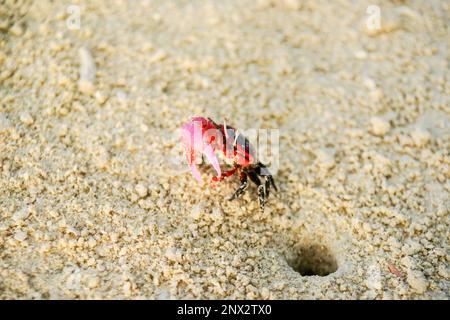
(206, 136)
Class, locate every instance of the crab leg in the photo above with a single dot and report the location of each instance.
(262, 196)
(262, 191)
(240, 191)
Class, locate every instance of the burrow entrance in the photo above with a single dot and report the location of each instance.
(312, 260)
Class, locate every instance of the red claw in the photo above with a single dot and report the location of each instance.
(198, 135)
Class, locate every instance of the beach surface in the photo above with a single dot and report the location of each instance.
(95, 204)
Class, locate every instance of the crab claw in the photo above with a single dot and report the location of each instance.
(195, 139)
(212, 158)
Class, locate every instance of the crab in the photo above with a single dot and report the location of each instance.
(203, 135)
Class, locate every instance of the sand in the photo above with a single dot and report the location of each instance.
(91, 205)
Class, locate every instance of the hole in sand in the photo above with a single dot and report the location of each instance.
(313, 260)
